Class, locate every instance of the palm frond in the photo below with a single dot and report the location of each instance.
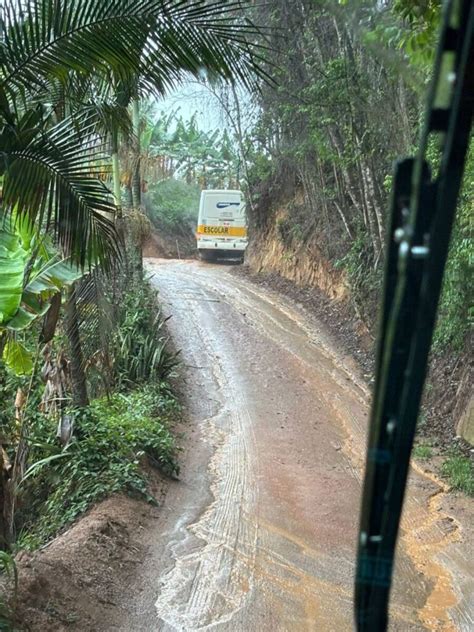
(96, 321)
(110, 118)
(55, 178)
(86, 59)
(153, 40)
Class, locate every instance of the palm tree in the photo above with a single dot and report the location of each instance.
(56, 53)
(60, 62)
(51, 48)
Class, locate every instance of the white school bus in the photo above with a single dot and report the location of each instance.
(222, 225)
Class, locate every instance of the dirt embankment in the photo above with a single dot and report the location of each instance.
(79, 581)
(307, 276)
(164, 243)
(303, 264)
(449, 401)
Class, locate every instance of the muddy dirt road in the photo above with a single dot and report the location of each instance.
(259, 534)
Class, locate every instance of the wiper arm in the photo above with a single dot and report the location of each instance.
(422, 212)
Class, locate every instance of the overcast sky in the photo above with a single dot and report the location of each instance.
(196, 98)
(193, 98)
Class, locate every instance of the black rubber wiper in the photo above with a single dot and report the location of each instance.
(422, 212)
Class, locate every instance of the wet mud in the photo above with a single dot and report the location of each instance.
(260, 532)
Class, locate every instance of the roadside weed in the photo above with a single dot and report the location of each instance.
(112, 438)
(459, 471)
(422, 451)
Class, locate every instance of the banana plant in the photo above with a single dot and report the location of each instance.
(49, 49)
(32, 273)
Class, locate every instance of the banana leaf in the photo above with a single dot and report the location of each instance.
(13, 260)
(17, 357)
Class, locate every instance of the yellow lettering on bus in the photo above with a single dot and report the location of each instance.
(229, 231)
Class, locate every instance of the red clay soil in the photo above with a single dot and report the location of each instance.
(449, 387)
(79, 581)
(449, 381)
(349, 330)
(165, 246)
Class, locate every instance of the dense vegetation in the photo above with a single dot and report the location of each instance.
(115, 435)
(84, 364)
(178, 161)
(352, 79)
(351, 82)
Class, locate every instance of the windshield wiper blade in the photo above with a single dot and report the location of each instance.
(422, 212)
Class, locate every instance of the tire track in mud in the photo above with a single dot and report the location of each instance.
(214, 557)
(424, 527)
(225, 537)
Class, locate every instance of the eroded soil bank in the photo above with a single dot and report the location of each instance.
(302, 273)
(80, 581)
(259, 533)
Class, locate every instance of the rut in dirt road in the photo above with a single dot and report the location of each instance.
(260, 533)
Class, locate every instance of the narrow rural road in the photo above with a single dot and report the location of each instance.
(259, 534)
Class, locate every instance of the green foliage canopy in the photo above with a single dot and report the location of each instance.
(174, 204)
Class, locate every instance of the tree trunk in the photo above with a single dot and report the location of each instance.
(375, 204)
(137, 186)
(51, 319)
(80, 397)
(4, 495)
(370, 212)
(405, 115)
(240, 140)
(128, 196)
(353, 185)
(136, 178)
(116, 174)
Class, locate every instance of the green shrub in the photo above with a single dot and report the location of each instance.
(422, 451)
(456, 308)
(459, 470)
(365, 281)
(112, 437)
(140, 347)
